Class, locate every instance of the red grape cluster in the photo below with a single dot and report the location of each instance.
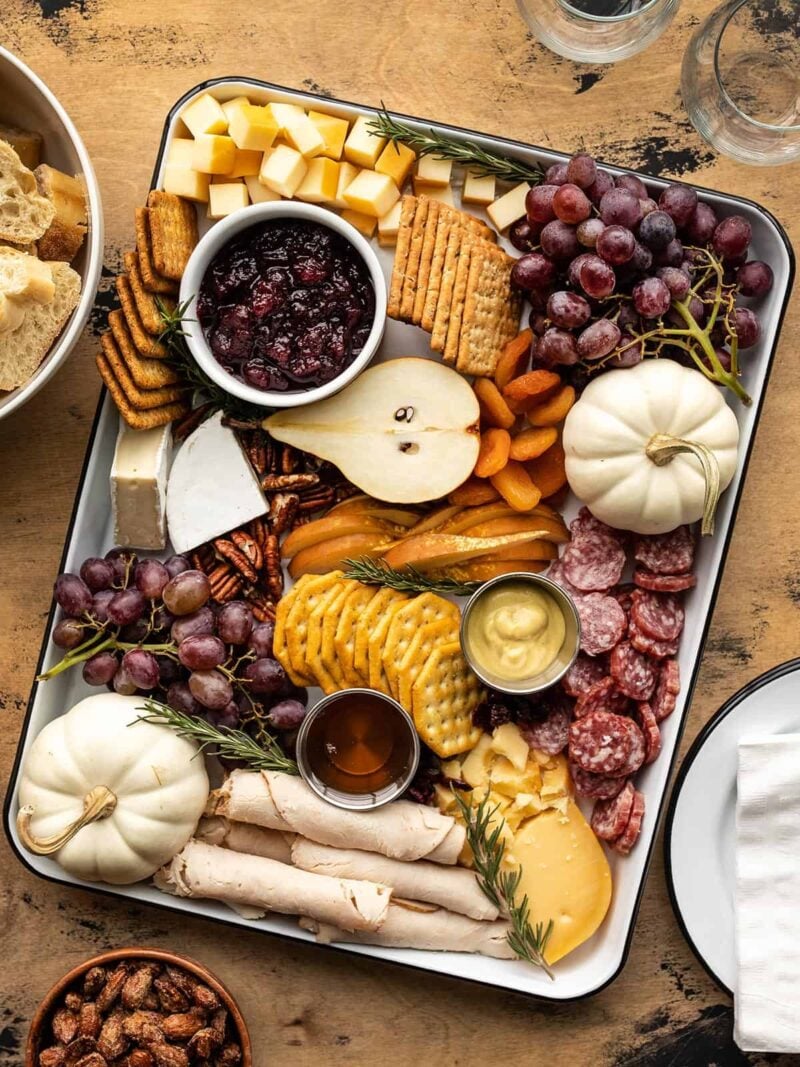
(604, 264)
(149, 627)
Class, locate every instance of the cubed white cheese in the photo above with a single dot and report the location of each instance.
(259, 194)
(283, 170)
(433, 170)
(204, 115)
(229, 106)
(363, 223)
(302, 134)
(212, 488)
(139, 486)
(213, 154)
(333, 131)
(389, 224)
(253, 127)
(509, 207)
(320, 182)
(224, 199)
(185, 182)
(361, 146)
(180, 151)
(347, 171)
(478, 190)
(371, 193)
(285, 113)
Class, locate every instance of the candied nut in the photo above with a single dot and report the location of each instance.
(111, 990)
(112, 1040)
(89, 1020)
(219, 1022)
(249, 547)
(204, 1042)
(171, 997)
(137, 1057)
(236, 558)
(93, 1059)
(181, 980)
(73, 1001)
(150, 1002)
(289, 482)
(137, 986)
(230, 1056)
(182, 1025)
(169, 1056)
(52, 1057)
(64, 1025)
(143, 1026)
(205, 997)
(76, 1049)
(282, 510)
(93, 981)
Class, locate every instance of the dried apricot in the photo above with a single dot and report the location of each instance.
(472, 492)
(531, 388)
(493, 454)
(548, 471)
(494, 409)
(532, 443)
(513, 359)
(515, 486)
(554, 410)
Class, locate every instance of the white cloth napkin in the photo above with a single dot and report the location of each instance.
(767, 999)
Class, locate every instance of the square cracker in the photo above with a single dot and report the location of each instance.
(136, 419)
(147, 373)
(485, 310)
(443, 699)
(296, 623)
(138, 397)
(153, 281)
(418, 230)
(173, 232)
(146, 345)
(455, 238)
(146, 303)
(356, 602)
(408, 208)
(468, 250)
(441, 632)
(425, 260)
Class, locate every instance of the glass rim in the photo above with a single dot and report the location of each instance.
(607, 20)
(757, 123)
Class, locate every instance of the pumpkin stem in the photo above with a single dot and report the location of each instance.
(97, 804)
(662, 449)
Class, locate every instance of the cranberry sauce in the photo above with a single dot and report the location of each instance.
(287, 304)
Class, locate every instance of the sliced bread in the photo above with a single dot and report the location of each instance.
(22, 275)
(67, 231)
(24, 213)
(23, 349)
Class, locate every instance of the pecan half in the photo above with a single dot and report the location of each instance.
(272, 565)
(293, 482)
(240, 424)
(289, 459)
(203, 559)
(225, 583)
(282, 511)
(236, 558)
(189, 423)
(263, 610)
(258, 531)
(255, 448)
(320, 497)
(249, 547)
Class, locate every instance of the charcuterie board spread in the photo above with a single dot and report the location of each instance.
(481, 550)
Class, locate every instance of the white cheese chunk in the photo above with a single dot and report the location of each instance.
(433, 170)
(204, 115)
(139, 486)
(212, 487)
(259, 194)
(363, 147)
(283, 170)
(477, 189)
(509, 207)
(225, 199)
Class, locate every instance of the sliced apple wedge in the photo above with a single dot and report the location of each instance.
(435, 519)
(335, 526)
(431, 550)
(330, 555)
(516, 523)
(405, 431)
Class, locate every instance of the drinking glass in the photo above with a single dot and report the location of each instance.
(597, 31)
(741, 80)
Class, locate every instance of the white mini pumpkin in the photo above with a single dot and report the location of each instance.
(111, 798)
(652, 447)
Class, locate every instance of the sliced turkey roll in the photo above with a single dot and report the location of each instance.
(246, 837)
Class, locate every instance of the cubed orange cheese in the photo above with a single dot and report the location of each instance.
(396, 160)
(225, 199)
(478, 190)
(434, 170)
(204, 115)
(333, 131)
(346, 174)
(259, 194)
(319, 184)
(185, 182)
(509, 207)
(371, 193)
(363, 147)
(283, 170)
(213, 154)
(252, 127)
(363, 223)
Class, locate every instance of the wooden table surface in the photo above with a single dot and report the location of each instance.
(117, 67)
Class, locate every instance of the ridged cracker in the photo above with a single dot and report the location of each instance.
(445, 222)
(146, 303)
(327, 646)
(146, 345)
(328, 604)
(296, 625)
(443, 699)
(280, 647)
(426, 259)
(468, 249)
(485, 309)
(414, 253)
(377, 639)
(147, 373)
(152, 280)
(135, 418)
(173, 232)
(408, 208)
(143, 399)
(455, 239)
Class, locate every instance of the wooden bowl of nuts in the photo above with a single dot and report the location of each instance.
(138, 1007)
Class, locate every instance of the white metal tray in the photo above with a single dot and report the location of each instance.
(598, 962)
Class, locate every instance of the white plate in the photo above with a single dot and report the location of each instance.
(599, 960)
(700, 835)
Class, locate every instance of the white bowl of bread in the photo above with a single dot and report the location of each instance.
(51, 234)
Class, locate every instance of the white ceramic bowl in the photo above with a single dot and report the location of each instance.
(220, 234)
(27, 102)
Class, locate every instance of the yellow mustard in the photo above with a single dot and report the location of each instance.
(515, 631)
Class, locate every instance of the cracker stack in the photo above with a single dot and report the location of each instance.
(451, 279)
(337, 633)
(134, 362)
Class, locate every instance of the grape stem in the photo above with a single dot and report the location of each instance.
(100, 643)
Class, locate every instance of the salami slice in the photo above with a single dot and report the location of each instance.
(596, 786)
(593, 565)
(622, 595)
(652, 734)
(611, 817)
(633, 672)
(551, 734)
(585, 524)
(602, 696)
(638, 752)
(669, 553)
(600, 742)
(663, 583)
(556, 574)
(582, 675)
(666, 694)
(660, 615)
(603, 623)
(630, 834)
(648, 645)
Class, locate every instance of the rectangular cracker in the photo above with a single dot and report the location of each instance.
(408, 209)
(146, 303)
(468, 249)
(173, 232)
(143, 399)
(153, 281)
(487, 293)
(136, 419)
(425, 260)
(414, 254)
(446, 221)
(442, 315)
(147, 373)
(146, 345)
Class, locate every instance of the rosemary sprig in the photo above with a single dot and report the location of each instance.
(465, 152)
(409, 580)
(233, 744)
(500, 886)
